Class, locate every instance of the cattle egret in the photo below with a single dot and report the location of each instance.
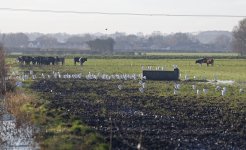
(141, 89)
(55, 75)
(139, 146)
(33, 77)
(177, 86)
(223, 92)
(205, 91)
(19, 84)
(43, 76)
(240, 91)
(143, 85)
(198, 92)
(175, 66)
(175, 92)
(193, 87)
(187, 77)
(120, 87)
(217, 88)
(144, 77)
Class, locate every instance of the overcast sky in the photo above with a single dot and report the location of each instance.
(18, 21)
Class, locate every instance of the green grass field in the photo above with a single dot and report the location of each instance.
(193, 54)
(224, 69)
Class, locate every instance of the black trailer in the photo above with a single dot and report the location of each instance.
(161, 75)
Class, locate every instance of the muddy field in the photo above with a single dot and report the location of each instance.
(130, 119)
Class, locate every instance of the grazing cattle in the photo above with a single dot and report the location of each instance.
(41, 60)
(210, 61)
(60, 59)
(49, 60)
(37, 60)
(80, 60)
(20, 59)
(24, 59)
(205, 60)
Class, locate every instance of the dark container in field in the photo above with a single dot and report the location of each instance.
(161, 75)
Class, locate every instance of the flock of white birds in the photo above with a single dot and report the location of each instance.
(102, 76)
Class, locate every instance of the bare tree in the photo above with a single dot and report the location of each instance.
(2, 71)
(239, 40)
(102, 45)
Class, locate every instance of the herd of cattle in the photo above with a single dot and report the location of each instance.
(42, 60)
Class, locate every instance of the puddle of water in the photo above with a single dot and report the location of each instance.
(13, 138)
(229, 82)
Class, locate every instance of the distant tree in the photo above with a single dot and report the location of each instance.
(222, 42)
(239, 40)
(15, 40)
(47, 41)
(78, 40)
(181, 41)
(102, 45)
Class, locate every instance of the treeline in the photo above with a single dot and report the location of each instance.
(210, 41)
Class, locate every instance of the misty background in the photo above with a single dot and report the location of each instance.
(207, 41)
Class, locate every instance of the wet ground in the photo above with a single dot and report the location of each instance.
(13, 137)
(148, 121)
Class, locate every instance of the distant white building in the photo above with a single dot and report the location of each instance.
(33, 44)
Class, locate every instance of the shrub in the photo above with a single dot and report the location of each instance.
(3, 71)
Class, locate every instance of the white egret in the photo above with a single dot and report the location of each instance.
(198, 92)
(141, 89)
(120, 87)
(205, 91)
(193, 87)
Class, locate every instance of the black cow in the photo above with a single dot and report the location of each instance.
(40, 60)
(24, 59)
(81, 60)
(20, 59)
(60, 59)
(49, 60)
(205, 60)
(37, 60)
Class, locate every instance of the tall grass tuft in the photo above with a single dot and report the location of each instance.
(3, 71)
(15, 104)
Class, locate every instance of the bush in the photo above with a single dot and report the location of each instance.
(3, 71)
